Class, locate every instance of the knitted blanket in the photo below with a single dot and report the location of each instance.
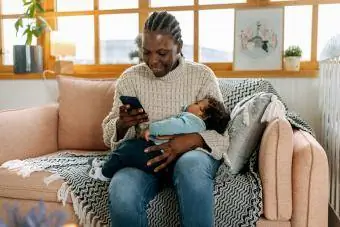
(238, 198)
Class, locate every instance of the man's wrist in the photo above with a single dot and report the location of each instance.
(196, 141)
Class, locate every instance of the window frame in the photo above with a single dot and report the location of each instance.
(308, 68)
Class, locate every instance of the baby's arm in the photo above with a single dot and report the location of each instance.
(184, 123)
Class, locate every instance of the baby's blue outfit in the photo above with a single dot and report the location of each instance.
(184, 122)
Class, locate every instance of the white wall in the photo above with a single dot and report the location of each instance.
(26, 93)
(301, 95)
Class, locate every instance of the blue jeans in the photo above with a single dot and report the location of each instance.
(193, 177)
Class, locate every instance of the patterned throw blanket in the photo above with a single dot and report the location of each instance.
(238, 198)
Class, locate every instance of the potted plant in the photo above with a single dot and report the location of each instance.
(28, 58)
(292, 57)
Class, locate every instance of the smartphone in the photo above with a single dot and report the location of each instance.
(132, 101)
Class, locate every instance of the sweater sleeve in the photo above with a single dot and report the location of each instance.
(184, 123)
(110, 121)
(217, 143)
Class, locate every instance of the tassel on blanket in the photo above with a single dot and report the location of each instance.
(13, 164)
(63, 192)
(275, 109)
(53, 177)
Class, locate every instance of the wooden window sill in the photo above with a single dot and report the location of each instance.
(219, 73)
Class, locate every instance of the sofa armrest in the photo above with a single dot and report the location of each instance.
(28, 132)
(275, 166)
(310, 182)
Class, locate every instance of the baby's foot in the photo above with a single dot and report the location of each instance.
(95, 162)
(96, 173)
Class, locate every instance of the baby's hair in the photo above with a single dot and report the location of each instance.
(217, 115)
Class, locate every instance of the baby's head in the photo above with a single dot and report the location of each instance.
(212, 112)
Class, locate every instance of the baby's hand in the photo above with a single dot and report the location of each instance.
(147, 134)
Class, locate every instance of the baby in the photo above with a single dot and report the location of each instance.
(206, 114)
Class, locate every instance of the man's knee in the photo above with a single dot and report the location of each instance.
(122, 190)
(195, 164)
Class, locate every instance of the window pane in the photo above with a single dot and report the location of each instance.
(12, 7)
(216, 39)
(211, 2)
(298, 20)
(160, 3)
(117, 40)
(118, 4)
(10, 39)
(83, 35)
(74, 5)
(329, 16)
(186, 22)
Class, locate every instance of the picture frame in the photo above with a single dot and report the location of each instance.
(258, 39)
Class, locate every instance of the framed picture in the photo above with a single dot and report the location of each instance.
(258, 40)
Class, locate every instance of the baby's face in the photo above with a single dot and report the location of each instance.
(198, 108)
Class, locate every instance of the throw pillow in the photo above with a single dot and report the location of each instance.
(246, 127)
(83, 104)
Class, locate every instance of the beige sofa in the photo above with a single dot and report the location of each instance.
(293, 166)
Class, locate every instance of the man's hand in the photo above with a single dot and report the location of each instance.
(129, 117)
(177, 145)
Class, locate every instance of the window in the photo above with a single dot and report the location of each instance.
(105, 30)
(298, 29)
(117, 40)
(83, 36)
(160, 3)
(329, 17)
(216, 40)
(73, 5)
(118, 4)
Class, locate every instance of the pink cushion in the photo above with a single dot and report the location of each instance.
(28, 133)
(275, 167)
(83, 104)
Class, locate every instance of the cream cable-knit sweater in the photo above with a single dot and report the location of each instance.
(164, 97)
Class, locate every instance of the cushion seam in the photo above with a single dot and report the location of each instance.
(310, 175)
(276, 171)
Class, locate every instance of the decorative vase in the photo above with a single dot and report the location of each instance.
(27, 59)
(292, 63)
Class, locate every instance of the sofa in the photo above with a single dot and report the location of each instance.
(293, 166)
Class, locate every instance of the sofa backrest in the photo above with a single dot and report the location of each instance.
(83, 104)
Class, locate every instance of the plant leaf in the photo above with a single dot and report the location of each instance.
(31, 13)
(27, 3)
(18, 24)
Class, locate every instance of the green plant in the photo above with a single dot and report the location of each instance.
(293, 51)
(36, 24)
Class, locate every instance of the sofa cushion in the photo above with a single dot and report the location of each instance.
(30, 188)
(83, 104)
(245, 129)
(310, 181)
(275, 168)
(28, 133)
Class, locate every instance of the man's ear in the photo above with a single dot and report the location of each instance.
(179, 48)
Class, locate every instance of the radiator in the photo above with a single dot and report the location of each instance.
(330, 125)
